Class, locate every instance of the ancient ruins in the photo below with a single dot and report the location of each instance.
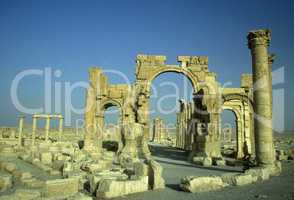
(82, 168)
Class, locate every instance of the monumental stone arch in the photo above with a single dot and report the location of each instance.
(204, 84)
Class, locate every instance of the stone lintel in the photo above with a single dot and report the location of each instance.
(187, 61)
(143, 59)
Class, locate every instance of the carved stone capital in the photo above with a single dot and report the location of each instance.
(259, 37)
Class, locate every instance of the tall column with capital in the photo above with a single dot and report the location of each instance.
(258, 42)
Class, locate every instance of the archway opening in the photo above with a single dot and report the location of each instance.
(229, 133)
(168, 90)
(111, 128)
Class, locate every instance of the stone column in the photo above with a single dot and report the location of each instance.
(239, 138)
(20, 130)
(47, 128)
(34, 128)
(258, 42)
(60, 129)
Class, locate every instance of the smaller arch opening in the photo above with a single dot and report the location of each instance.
(111, 128)
(229, 133)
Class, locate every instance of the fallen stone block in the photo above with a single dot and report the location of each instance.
(5, 181)
(26, 194)
(46, 158)
(80, 196)
(96, 178)
(239, 179)
(112, 188)
(218, 162)
(275, 169)
(201, 184)
(10, 167)
(262, 174)
(21, 175)
(204, 161)
(9, 197)
(33, 183)
(61, 187)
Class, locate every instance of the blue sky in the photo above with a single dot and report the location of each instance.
(74, 35)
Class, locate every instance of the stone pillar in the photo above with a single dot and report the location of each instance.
(34, 128)
(20, 130)
(60, 129)
(258, 42)
(239, 138)
(91, 109)
(47, 128)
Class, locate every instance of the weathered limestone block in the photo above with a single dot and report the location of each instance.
(61, 187)
(238, 179)
(27, 194)
(112, 188)
(80, 196)
(67, 168)
(290, 154)
(9, 197)
(33, 183)
(275, 169)
(9, 167)
(5, 181)
(140, 169)
(219, 162)
(21, 175)
(204, 161)
(46, 158)
(201, 184)
(97, 166)
(261, 173)
(155, 175)
(96, 178)
(281, 155)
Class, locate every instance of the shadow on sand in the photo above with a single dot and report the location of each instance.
(179, 158)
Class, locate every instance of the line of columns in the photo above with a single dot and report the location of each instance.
(47, 126)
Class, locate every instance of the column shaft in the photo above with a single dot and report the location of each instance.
(20, 130)
(34, 130)
(60, 130)
(258, 43)
(47, 128)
